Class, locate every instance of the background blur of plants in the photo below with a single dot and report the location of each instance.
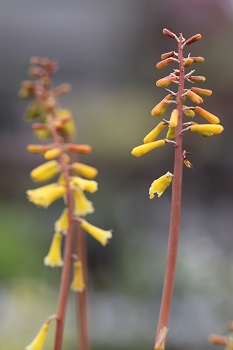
(107, 50)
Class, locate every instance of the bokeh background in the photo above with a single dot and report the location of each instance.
(107, 50)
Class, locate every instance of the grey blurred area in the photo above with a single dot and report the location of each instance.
(108, 50)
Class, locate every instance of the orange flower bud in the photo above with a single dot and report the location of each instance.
(193, 39)
(169, 33)
(164, 63)
(207, 128)
(85, 149)
(174, 118)
(218, 339)
(188, 62)
(194, 97)
(199, 91)
(164, 82)
(198, 59)
(52, 153)
(160, 108)
(37, 148)
(207, 115)
(167, 54)
(197, 78)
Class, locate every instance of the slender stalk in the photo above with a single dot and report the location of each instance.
(81, 298)
(65, 277)
(175, 209)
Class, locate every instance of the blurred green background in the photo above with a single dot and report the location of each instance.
(107, 50)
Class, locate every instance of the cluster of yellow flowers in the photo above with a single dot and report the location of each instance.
(73, 178)
(194, 94)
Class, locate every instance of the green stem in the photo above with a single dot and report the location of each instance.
(175, 209)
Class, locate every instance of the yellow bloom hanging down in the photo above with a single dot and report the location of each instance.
(142, 149)
(61, 225)
(78, 285)
(54, 258)
(82, 206)
(83, 184)
(45, 171)
(39, 340)
(159, 185)
(100, 235)
(46, 195)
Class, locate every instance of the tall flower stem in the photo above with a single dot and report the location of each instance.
(175, 208)
(65, 277)
(81, 298)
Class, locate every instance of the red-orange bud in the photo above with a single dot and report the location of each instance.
(199, 91)
(160, 108)
(207, 115)
(85, 149)
(193, 39)
(169, 33)
(164, 82)
(164, 63)
(167, 55)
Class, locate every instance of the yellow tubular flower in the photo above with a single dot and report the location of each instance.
(78, 285)
(45, 171)
(82, 206)
(160, 108)
(194, 97)
(61, 225)
(207, 115)
(171, 134)
(100, 235)
(142, 149)
(52, 153)
(85, 185)
(154, 133)
(54, 258)
(39, 340)
(174, 118)
(46, 195)
(159, 186)
(207, 128)
(199, 91)
(85, 170)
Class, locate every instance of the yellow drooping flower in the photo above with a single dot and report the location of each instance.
(61, 225)
(154, 133)
(45, 171)
(83, 184)
(207, 128)
(213, 119)
(39, 340)
(54, 258)
(159, 185)
(77, 284)
(82, 206)
(100, 235)
(46, 195)
(85, 170)
(142, 149)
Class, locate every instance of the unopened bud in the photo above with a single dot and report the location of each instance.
(164, 82)
(187, 163)
(160, 108)
(171, 134)
(167, 55)
(37, 72)
(188, 112)
(194, 97)
(199, 91)
(207, 115)
(37, 148)
(197, 78)
(174, 118)
(207, 128)
(154, 133)
(27, 89)
(52, 153)
(193, 39)
(142, 149)
(49, 65)
(164, 63)
(198, 59)
(84, 149)
(62, 89)
(188, 62)
(169, 33)
(217, 339)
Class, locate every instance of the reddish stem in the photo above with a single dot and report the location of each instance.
(65, 277)
(175, 209)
